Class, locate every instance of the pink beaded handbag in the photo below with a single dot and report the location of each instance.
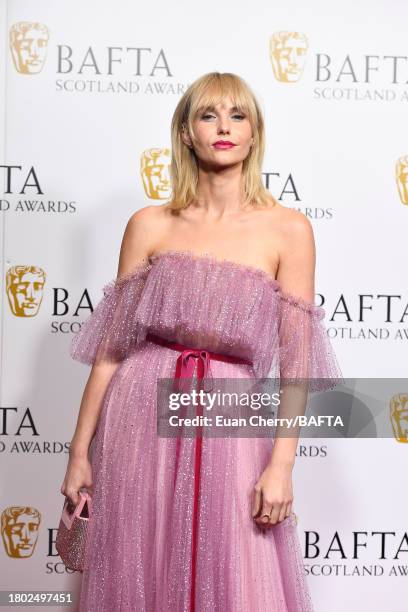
(72, 532)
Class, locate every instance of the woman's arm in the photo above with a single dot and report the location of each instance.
(296, 275)
(273, 492)
(90, 407)
(134, 249)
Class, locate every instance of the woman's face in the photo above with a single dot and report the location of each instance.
(212, 127)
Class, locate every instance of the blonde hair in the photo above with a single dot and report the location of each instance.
(207, 91)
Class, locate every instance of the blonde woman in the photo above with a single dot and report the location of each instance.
(218, 282)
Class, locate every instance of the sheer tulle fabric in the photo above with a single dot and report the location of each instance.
(112, 330)
(140, 545)
(305, 352)
(218, 305)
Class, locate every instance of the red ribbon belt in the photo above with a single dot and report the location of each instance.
(185, 367)
(186, 361)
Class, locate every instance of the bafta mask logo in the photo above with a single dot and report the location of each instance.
(401, 172)
(28, 45)
(154, 168)
(399, 416)
(287, 52)
(24, 288)
(19, 530)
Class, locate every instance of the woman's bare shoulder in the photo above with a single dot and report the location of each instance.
(285, 231)
(289, 220)
(148, 221)
(151, 213)
(282, 220)
(143, 229)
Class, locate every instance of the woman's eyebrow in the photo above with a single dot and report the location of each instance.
(211, 107)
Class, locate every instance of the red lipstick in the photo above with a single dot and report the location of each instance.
(223, 144)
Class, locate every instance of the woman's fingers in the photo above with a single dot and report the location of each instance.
(271, 514)
(283, 513)
(78, 475)
(266, 512)
(274, 515)
(256, 503)
(280, 513)
(264, 509)
(73, 497)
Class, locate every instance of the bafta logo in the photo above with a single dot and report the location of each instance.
(399, 416)
(24, 288)
(287, 52)
(154, 168)
(401, 172)
(19, 530)
(28, 45)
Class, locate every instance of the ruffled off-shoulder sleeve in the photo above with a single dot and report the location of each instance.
(293, 345)
(305, 350)
(112, 329)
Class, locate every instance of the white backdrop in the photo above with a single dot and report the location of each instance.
(75, 131)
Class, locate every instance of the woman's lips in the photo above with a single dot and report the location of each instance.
(222, 145)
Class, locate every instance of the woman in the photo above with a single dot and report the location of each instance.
(184, 524)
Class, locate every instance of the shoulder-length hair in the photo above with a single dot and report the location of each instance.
(206, 91)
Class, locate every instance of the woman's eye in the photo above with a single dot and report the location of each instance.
(208, 116)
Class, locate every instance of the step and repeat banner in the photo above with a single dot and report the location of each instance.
(88, 90)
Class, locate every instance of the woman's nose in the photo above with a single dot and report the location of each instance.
(223, 128)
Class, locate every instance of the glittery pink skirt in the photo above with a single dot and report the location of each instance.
(151, 546)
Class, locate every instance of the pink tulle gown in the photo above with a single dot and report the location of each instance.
(160, 539)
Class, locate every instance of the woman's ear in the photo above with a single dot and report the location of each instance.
(185, 136)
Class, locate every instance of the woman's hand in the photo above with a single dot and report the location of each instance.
(78, 475)
(273, 495)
